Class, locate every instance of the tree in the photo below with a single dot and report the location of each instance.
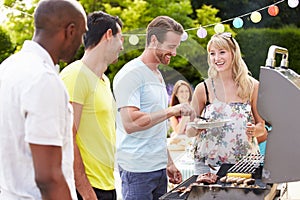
(20, 23)
(136, 14)
(190, 62)
(6, 45)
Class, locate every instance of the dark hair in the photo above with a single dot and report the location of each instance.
(160, 26)
(98, 23)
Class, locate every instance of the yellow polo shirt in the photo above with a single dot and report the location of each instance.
(96, 134)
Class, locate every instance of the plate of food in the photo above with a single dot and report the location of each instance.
(202, 124)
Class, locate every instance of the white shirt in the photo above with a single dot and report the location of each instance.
(143, 151)
(34, 108)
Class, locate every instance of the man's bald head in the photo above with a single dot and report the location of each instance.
(51, 15)
(59, 27)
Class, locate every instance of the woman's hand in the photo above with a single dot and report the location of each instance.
(192, 131)
(250, 130)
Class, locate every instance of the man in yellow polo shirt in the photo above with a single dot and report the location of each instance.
(94, 108)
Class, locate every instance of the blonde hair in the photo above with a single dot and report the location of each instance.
(240, 72)
(174, 100)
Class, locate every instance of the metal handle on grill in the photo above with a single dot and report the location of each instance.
(273, 50)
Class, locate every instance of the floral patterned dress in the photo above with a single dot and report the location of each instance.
(229, 143)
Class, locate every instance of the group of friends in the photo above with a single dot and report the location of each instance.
(60, 131)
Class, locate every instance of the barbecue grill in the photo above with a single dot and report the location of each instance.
(278, 103)
(220, 190)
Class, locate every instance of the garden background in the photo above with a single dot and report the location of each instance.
(255, 38)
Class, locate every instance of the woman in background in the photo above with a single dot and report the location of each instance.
(182, 93)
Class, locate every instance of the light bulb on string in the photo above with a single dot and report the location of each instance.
(238, 22)
(293, 3)
(184, 36)
(133, 39)
(255, 17)
(201, 32)
(273, 10)
(219, 28)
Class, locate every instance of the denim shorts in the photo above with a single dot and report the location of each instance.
(143, 185)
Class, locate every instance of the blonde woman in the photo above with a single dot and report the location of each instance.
(228, 93)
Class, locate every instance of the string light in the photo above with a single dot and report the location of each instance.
(237, 22)
(241, 16)
(201, 32)
(273, 10)
(184, 36)
(293, 3)
(219, 28)
(133, 39)
(255, 17)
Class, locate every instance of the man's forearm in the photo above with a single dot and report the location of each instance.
(82, 183)
(141, 121)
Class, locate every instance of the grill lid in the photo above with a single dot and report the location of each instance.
(278, 103)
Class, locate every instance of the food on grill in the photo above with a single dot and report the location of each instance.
(249, 181)
(231, 179)
(223, 179)
(240, 175)
(240, 180)
(188, 189)
(207, 178)
(180, 189)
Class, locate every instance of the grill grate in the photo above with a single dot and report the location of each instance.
(247, 164)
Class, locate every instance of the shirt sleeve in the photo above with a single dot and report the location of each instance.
(76, 85)
(45, 104)
(127, 90)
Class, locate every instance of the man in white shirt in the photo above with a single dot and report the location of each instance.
(142, 103)
(36, 145)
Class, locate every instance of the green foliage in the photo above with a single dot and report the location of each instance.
(91, 5)
(20, 23)
(255, 44)
(207, 14)
(206, 17)
(136, 14)
(191, 60)
(190, 63)
(131, 13)
(6, 45)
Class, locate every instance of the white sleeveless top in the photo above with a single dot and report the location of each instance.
(229, 143)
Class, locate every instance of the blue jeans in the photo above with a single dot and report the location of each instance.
(144, 185)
